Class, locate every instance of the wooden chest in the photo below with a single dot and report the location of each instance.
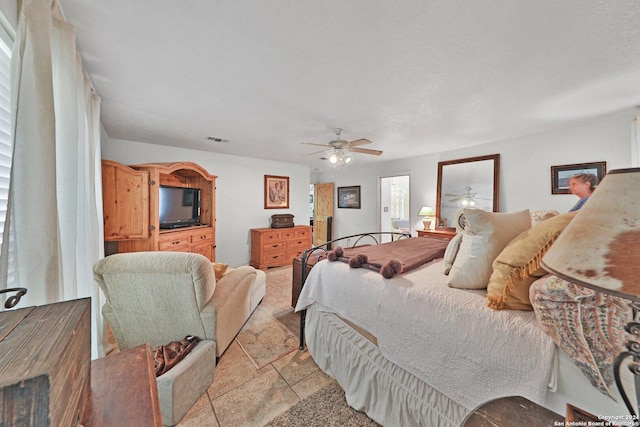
(45, 361)
(272, 247)
(282, 221)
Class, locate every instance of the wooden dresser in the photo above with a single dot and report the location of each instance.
(275, 247)
(438, 233)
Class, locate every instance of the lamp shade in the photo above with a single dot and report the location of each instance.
(426, 211)
(600, 248)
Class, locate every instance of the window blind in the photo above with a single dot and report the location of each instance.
(5, 121)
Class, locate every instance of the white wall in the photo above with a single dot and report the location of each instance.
(239, 194)
(525, 179)
(525, 172)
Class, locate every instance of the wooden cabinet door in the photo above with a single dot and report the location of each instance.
(323, 209)
(125, 200)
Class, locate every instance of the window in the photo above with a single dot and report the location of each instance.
(6, 41)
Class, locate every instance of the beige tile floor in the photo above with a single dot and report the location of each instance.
(242, 395)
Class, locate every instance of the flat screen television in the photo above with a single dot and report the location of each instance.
(179, 207)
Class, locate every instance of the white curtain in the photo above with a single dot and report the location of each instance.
(53, 232)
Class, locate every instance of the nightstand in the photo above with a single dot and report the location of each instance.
(512, 411)
(438, 233)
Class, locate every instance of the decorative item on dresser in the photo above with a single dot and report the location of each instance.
(427, 212)
(132, 212)
(272, 247)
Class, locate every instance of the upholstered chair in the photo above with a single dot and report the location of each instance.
(160, 297)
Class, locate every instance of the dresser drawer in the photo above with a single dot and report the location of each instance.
(288, 234)
(275, 247)
(270, 236)
(276, 258)
(306, 233)
(174, 244)
(201, 236)
(300, 244)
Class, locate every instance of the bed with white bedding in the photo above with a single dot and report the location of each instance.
(410, 350)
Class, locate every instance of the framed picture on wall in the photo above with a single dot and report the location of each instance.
(276, 192)
(560, 175)
(349, 197)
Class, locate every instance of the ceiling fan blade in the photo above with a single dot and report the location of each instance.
(319, 145)
(365, 151)
(316, 152)
(357, 142)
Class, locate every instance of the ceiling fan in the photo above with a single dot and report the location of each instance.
(339, 146)
(467, 198)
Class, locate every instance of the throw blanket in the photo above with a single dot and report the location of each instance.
(392, 258)
(167, 356)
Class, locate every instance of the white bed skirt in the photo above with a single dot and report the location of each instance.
(393, 397)
(386, 393)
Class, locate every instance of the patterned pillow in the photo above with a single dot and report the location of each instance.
(219, 269)
(587, 325)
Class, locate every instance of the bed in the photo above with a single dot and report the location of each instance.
(411, 350)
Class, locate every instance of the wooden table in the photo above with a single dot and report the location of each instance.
(123, 390)
(511, 411)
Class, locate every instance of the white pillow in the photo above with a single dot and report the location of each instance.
(451, 252)
(486, 235)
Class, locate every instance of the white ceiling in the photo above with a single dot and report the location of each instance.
(414, 76)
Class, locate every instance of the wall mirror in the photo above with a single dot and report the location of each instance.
(470, 182)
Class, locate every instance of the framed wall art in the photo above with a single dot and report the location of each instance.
(560, 174)
(276, 192)
(349, 197)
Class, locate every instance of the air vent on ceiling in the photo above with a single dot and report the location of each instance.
(214, 139)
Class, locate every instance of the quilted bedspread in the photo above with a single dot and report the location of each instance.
(447, 337)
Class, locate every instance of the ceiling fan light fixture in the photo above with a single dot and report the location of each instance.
(333, 159)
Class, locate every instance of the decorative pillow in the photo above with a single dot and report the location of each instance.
(587, 325)
(539, 216)
(518, 265)
(220, 269)
(451, 252)
(486, 234)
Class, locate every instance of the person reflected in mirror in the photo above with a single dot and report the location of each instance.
(582, 185)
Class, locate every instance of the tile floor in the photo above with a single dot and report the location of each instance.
(242, 395)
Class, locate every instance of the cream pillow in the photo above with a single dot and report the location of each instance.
(487, 233)
(518, 265)
(451, 252)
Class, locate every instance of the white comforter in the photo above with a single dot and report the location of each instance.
(447, 337)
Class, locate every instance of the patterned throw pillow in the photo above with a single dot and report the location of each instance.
(587, 325)
(220, 269)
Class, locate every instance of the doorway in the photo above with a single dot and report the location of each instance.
(395, 204)
(322, 213)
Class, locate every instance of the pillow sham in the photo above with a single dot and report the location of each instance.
(518, 265)
(220, 269)
(451, 252)
(486, 234)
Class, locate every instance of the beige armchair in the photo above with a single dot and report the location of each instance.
(159, 297)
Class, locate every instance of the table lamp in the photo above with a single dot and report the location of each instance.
(427, 212)
(600, 250)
